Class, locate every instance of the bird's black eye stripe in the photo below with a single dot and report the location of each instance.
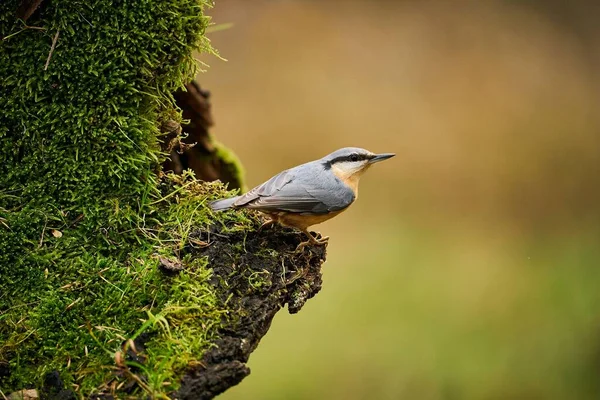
(352, 157)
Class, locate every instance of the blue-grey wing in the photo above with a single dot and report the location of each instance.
(298, 190)
(269, 188)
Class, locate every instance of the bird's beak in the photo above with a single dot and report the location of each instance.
(381, 157)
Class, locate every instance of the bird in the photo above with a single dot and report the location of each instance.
(308, 194)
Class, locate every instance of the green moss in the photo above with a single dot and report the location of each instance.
(232, 164)
(83, 217)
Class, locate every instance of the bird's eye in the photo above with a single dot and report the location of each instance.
(354, 157)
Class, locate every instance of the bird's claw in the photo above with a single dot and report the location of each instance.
(266, 224)
(319, 242)
(322, 240)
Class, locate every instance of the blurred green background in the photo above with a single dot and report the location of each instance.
(469, 268)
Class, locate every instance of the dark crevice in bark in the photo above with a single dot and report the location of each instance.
(190, 146)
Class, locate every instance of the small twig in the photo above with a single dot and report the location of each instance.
(25, 27)
(173, 192)
(42, 237)
(52, 49)
(3, 396)
(73, 303)
(85, 19)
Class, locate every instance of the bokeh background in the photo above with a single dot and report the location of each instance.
(469, 268)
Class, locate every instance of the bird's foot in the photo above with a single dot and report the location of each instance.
(312, 240)
(322, 240)
(266, 224)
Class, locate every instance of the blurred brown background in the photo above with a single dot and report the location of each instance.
(469, 268)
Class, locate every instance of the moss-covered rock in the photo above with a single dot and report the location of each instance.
(109, 279)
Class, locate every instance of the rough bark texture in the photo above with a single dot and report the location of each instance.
(257, 287)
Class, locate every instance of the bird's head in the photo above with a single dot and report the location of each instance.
(350, 163)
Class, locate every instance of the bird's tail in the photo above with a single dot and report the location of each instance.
(223, 204)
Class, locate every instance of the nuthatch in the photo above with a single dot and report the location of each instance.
(309, 193)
